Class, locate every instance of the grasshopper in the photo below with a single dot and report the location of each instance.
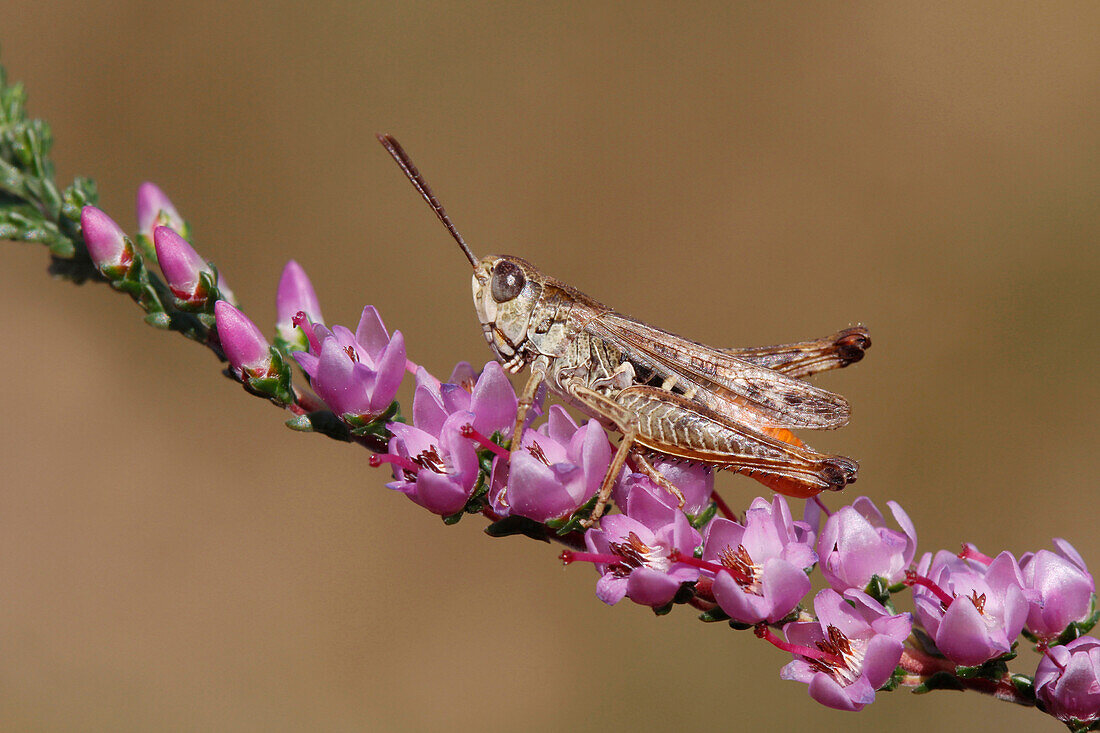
(670, 397)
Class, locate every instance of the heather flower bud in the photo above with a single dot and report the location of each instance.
(155, 209)
(1067, 682)
(295, 294)
(108, 246)
(244, 345)
(182, 266)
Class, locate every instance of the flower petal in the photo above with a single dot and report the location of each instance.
(390, 372)
(963, 637)
(494, 401)
(783, 586)
(650, 587)
(371, 333)
(829, 693)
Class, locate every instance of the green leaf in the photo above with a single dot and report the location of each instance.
(714, 615)
(994, 669)
(877, 589)
(159, 320)
(514, 525)
(572, 523)
(700, 520)
(1024, 685)
(939, 681)
(360, 427)
(320, 421)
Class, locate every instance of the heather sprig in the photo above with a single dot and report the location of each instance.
(972, 614)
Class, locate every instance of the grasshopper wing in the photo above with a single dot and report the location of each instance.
(747, 393)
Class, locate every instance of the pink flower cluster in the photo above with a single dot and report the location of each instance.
(457, 456)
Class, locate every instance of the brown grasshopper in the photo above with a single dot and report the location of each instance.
(670, 397)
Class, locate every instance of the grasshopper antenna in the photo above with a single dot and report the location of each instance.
(394, 148)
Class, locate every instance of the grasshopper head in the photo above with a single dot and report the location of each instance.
(506, 291)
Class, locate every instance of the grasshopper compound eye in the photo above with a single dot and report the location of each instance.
(508, 281)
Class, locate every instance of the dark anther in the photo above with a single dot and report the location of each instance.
(537, 453)
(430, 459)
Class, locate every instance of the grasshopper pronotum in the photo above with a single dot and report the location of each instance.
(670, 397)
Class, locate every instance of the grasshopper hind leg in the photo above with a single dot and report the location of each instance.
(641, 464)
(675, 426)
(837, 471)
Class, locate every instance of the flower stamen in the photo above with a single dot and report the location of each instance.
(569, 557)
(536, 451)
(817, 656)
(430, 459)
(970, 552)
(468, 431)
(911, 579)
(401, 462)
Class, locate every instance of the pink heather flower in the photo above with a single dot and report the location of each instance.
(761, 565)
(295, 294)
(489, 396)
(357, 375)
(555, 470)
(1067, 682)
(438, 472)
(856, 544)
(107, 244)
(849, 651)
(972, 612)
(636, 561)
(244, 344)
(155, 209)
(1063, 588)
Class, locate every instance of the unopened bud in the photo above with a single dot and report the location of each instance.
(181, 265)
(295, 295)
(107, 244)
(155, 209)
(245, 347)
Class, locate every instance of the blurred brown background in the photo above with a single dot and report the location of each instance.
(172, 558)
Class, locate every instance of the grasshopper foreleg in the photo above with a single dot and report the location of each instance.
(526, 401)
(625, 422)
(527, 398)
